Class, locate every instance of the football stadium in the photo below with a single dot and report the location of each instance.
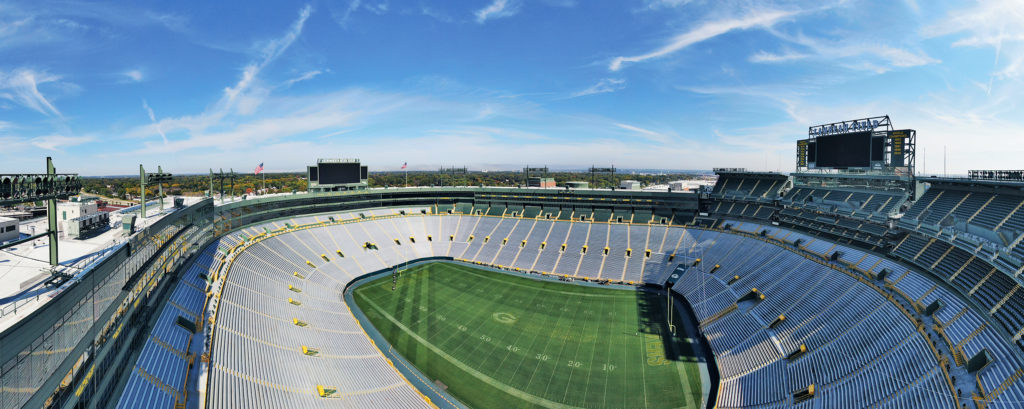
(495, 204)
(851, 282)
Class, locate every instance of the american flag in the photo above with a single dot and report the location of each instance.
(259, 168)
(404, 164)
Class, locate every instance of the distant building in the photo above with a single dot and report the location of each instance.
(8, 229)
(73, 210)
(688, 185)
(540, 182)
(629, 185)
(577, 185)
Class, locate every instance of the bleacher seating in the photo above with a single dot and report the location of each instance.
(158, 377)
(844, 324)
(845, 201)
(749, 185)
(967, 208)
(862, 351)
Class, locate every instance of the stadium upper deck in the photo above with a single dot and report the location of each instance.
(950, 259)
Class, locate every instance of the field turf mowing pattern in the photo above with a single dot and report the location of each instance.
(503, 341)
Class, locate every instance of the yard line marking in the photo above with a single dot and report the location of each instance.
(561, 350)
(575, 356)
(479, 375)
(526, 356)
(643, 368)
(480, 311)
(544, 349)
(526, 316)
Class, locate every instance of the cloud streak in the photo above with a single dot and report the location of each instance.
(605, 85)
(646, 133)
(996, 24)
(497, 9)
(56, 142)
(304, 77)
(270, 51)
(152, 118)
(133, 75)
(242, 98)
(22, 87)
(706, 31)
(872, 56)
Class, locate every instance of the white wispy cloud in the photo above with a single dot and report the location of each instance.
(497, 9)
(603, 86)
(646, 133)
(767, 57)
(269, 52)
(662, 4)
(21, 86)
(308, 75)
(489, 132)
(378, 8)
(345, 15)
(57, 142)
(152, 118)
(912, 5)
(998, 24)
(242, 98)
(133, 75)
(872, 55)
(707, 30)
(438, 15)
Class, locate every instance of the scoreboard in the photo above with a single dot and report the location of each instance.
(330, 175)
(865, 149)
(899, 145)
(338, 173)
(852, 150)
(801, 153)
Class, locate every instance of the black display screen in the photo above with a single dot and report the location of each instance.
(851, 150)
(338, 173)
(312, 173)
(877, 149)
(363, 171)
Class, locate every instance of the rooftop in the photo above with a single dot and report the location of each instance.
(24, 269)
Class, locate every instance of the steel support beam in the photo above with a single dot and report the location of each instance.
(51, 215)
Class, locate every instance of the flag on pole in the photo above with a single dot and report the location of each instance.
(404, 164)
(259, 168)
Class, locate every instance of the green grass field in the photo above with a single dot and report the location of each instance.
(502, 341)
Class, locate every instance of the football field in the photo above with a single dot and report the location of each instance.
(500, 341)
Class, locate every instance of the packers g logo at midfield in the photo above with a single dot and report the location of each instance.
(504, 318)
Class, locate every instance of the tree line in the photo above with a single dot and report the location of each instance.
(128, 187)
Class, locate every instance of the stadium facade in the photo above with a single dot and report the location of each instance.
(812, 290)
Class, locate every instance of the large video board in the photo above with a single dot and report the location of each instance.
(339, 173)
(851, 150)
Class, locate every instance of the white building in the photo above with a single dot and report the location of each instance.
(70, 210)
(689, 185)
(8, 229)
(629, 185)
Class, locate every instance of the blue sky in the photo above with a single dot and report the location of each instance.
(498, 84)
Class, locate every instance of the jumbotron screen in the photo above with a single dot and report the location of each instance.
(338, 173)
(851, 150)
